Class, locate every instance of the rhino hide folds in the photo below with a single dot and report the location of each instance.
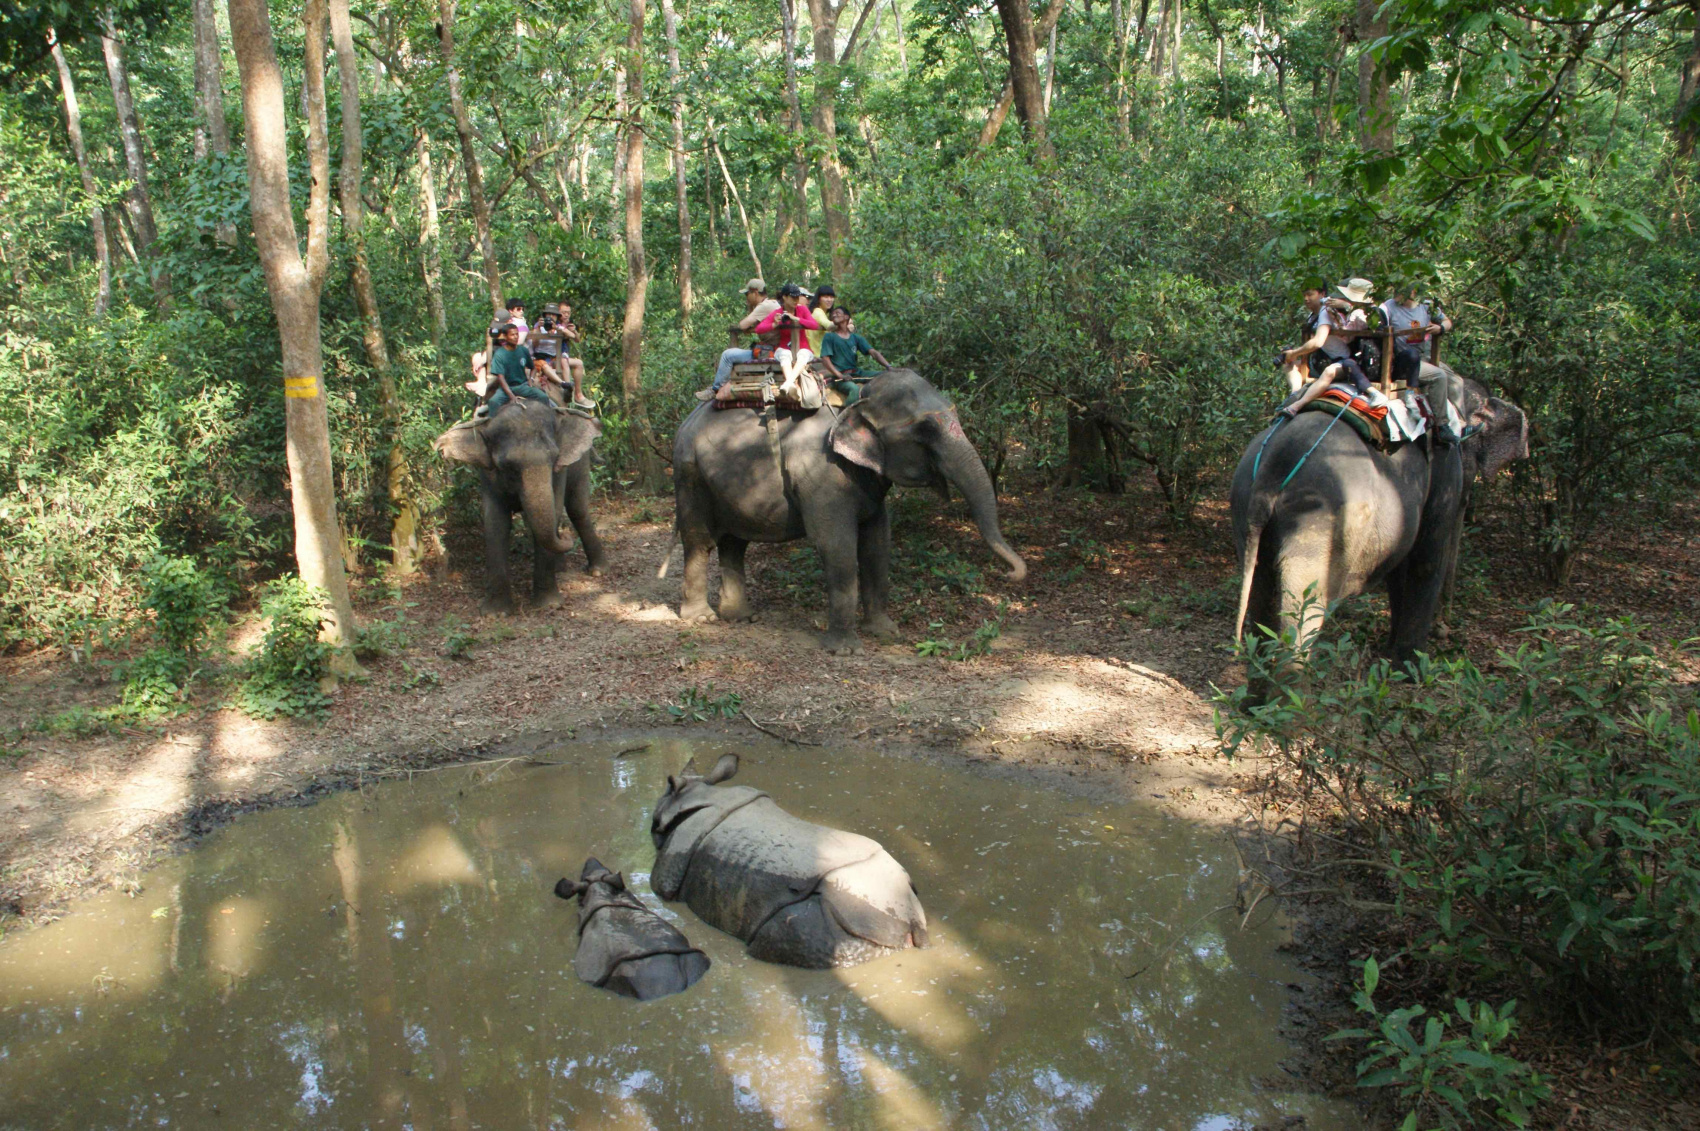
(624, 946)
(795, 892)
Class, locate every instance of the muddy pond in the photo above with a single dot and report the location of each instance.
(394, 957)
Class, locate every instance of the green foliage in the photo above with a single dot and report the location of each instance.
(185, 603)
(1444, 1081)
(1537, 818)
(383, 639)
(977, 645)
(458, 639)
(700, 704)
(283, 678)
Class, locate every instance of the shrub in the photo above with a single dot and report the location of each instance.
(283, 679)
(184, 601)
(1538, 819)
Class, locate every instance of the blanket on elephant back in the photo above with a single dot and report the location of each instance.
(1367, 420)
(758, 384)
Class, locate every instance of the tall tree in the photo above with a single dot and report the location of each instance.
(212, 136)
(404, 527)
(139, 202)
(97, 217)
(823, 15)
(687, 297)
(1028, 95)
(1375, 112)
(469, 154)
(637, 270)
(1687, 119)
(295, 285)
(1000, 112)
(796, 214)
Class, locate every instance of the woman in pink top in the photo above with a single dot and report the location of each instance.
(790, 320)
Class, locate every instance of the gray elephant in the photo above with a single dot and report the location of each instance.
(838, 467)
(1315, 506)
(624, 946)
(534, 460)
(795, 892)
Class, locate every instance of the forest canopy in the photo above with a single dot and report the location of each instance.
(1087, 216)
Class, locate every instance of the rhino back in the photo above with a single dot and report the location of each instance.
(616, 933)
(708, 807)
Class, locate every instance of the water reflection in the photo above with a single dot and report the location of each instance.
(395, 959)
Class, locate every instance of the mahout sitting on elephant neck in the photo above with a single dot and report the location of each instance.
(624, 946)
(795, 892)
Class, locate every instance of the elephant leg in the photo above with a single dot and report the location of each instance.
(498, 528)
(577, 506)
(873, 561)
(695, 605)
(1413, 598)
(836, 539)
(734, 600)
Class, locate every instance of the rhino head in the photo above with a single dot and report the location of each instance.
(593, 873)
(688, 792)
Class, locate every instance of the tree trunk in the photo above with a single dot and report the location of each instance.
(404, 529)
(211, 134)
(97, 218)
(1124, 128)
(138, 202)
(637, 270)
(687, 296)
(1017, 18)
(430, 240)
(1000, 112)
(732, 186)
(902, 43)
(469, 155)
(295, 287)
(617, 182)
(1051, 63)
(1375, 114)
(1687, 119)
(797, 215)
(823, 15)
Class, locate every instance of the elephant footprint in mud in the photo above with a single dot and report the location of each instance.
(795, 892)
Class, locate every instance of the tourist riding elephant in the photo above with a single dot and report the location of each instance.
(533, 459)
(837, 470)
(1314, 505)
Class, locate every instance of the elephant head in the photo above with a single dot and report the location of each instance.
(1501, 433)
(523, 444)
(904, 429)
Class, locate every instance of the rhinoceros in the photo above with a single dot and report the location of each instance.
(795, 892)
(624, 946)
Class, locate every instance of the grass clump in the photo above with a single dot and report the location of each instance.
(284, 677)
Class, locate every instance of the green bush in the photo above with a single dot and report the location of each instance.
(283, 679)
(1445, 1081)
(185, 602)
(1537, 819)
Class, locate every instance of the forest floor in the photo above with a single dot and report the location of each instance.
(1101, 666)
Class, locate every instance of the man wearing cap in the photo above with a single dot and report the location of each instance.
(759, 306)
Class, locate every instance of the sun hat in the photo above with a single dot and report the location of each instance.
(551, 308)
(1356, 289)
(755, 284)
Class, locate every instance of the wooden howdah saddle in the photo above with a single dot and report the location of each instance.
(756, 384)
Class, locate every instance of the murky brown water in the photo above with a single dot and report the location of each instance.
(396, 959)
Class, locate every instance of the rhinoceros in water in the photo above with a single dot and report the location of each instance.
(624, 946)
(797, 893)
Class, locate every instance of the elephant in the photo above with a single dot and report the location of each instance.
(795, 892)
(1315, 506)
(837, 469)
(623, 946)
(535, 460)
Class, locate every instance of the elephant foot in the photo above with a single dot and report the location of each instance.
(842, 643)
(880, 625)
(501, 605)
(736, 611)
(547, 599)
(696, 611)
(593, 570)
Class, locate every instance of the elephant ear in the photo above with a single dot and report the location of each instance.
(465, 444)
(856, 439)
(576, 434)
(1503, 434)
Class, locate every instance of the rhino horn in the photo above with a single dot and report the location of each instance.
(723, 769)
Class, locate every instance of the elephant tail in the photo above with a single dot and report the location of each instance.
(1248, 573)
(667, 556)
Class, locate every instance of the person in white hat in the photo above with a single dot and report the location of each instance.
(759, 307)
(1333, 339)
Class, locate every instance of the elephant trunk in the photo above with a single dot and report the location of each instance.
(962, 467)
(537, 503)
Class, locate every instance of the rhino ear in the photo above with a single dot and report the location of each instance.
(568, 889)
(723, 769)
(464, 445)
(616, 880)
